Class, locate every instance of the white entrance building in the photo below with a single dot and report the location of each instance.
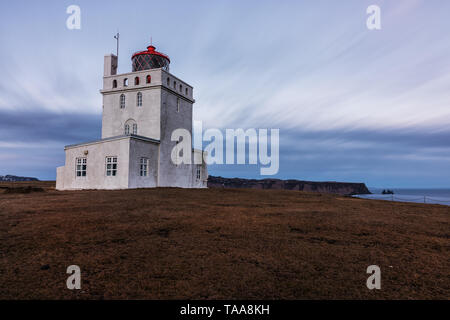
(141, 109)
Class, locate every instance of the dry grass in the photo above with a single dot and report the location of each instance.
(219, 244)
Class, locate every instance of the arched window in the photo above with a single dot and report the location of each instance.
(130, 127)
(168, 82)
(122, 101)
(114, 83)
(136, 81)
(125, 82)
(139, 99)
(149, 79)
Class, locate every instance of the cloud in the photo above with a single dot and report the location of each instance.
(44, 126)
(351, 104)
(32, 142)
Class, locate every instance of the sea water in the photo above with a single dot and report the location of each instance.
(433, 196)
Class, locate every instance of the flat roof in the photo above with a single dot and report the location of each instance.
(124, 136)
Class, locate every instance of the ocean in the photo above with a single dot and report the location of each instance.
(434, 196)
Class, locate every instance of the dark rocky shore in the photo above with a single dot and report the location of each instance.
(13, 178)
(343, 188)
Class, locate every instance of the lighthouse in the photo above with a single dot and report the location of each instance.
(140, 111)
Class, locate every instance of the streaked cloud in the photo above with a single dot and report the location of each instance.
(351, 104)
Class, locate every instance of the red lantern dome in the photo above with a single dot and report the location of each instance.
(150, 59)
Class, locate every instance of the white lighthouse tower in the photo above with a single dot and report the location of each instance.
(141, 109)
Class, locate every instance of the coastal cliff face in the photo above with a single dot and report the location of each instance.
(343, 188)
(12, 178)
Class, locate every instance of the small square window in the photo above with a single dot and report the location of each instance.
(81, 167)
(111, 166)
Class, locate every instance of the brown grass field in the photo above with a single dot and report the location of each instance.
(171, 243)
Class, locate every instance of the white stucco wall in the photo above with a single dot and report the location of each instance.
(173, 118)
(143, 149)
(96, 170)
(147, 117)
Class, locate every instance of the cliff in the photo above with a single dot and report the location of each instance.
(12, 178)
(343, 188)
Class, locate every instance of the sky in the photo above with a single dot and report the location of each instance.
(351, 104)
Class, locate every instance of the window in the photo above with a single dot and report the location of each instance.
(130, 127)
(175, 85)
(186, 91)
(125, 82)
(114, 84)
(181, 88)
(139, 99)
(122, 101)
(111, 166)
(80, 167)
(149, 79)
(168, 82)
(178, 104)
(144, 167)
(199, 172)
(136, 81)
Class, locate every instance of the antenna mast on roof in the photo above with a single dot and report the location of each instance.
(117, 40)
